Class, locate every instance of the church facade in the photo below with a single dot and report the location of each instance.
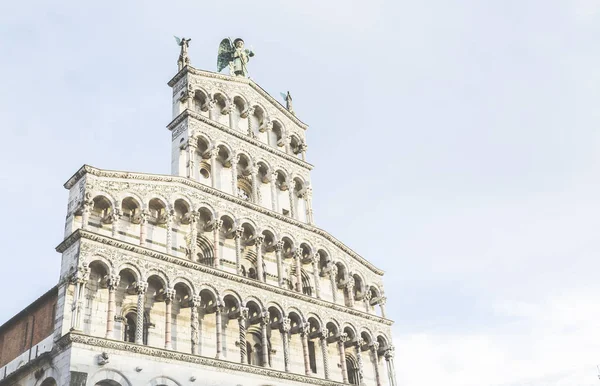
(213, 275)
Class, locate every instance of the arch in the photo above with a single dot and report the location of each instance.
(108, 377)
(160, 275)
(253, 299)
(101, 260)
(353, 369)
(334, 327)
(294, 310)
(359, 286)
(366, 336)
(132, 269)
(205, 251)
(350, 330)
(383, 341)
(182, 281)
(163, 381)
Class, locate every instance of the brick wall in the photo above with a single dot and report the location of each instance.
(28, 327)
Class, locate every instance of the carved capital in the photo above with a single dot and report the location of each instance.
(259, 240)
(374, 347)
(286, 324)
(298, 253)
(324, 333)
(243, 314)
(80, 276)
(279, 246)
(389, 353)
(264, 318)
(169, 294)
(141, 287)
(238, 233)
(343, 337)
(195, 301)
(217, 225)
(112, 281)
(305, 329)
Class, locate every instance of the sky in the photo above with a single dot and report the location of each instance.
(455, 146)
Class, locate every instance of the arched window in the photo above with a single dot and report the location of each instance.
(130, 327)
(353, 371)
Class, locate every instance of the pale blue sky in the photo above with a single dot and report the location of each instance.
(455, 145)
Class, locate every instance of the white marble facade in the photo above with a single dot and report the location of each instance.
(216, 274)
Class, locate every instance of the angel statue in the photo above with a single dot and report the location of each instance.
(288, 102)
(184, 59)
(233, 55)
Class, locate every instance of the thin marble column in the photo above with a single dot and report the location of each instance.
(374, 348)
(169, 296)
(285, 335)
(259, 258)
(112, 282)
(115, 217)
(143, 225)
(333, 279)
(88, 204)
(323, 340)
(169, 246)
(193, 236)
(292, 193)
(389, 359)
(192, 147)
(254, 179)
(264, 321)
(238, 250)
(274, 197)
(214, 153)
(297, 260)
(242, 319)
(140, 287)
(350, 291)
(304, 331)
(342, 339)
(317, 278)
(278, 252)
(219, 327)
(194, 323)
(357, 346)
(234, 175)
(309, 210)
(216, 232)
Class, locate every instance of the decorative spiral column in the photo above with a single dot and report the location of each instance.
(333, 279)
(112, 283)
(169, 296)
(389, 359)
(374, 348)
(143, 224)
(242, 319)
(323, 334)
(297, 260)
(264, 322)
(304, 331)
(193, 236)
(216, 232)
(357, 346)
(140, 287)
(285, 334)
(238, 250)
(219, 327)
(315, 266)
(194, 322)
(274, 197)
(234, 175)
(169, 246)
(192, 148)
(259, 258)
(342, 339)
(250, 131)
(278, 252)
(291, 191)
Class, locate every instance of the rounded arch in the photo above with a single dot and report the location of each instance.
(353, 369)
(334, 327)
(245, 220)
(182, 281)
(294, 310)
(253, 299)
(233, 294)
(158, 275)
(366, 335)
(131, 269)
(163, 381)
(100, 260)
(108, 377)
(383, 341)
(208, 287)
(349, 329)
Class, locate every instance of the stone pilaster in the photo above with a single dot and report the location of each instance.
(192, 150)
(254, 179)
(350, 291)
(234, 175)
(309, 211)
(193, 245)
(79, 280)
(115, 217)
(357, 347)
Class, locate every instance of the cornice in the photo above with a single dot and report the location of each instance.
(187, 113)
(237, 79)
(196, 185)
(82, 234)
(75, 339)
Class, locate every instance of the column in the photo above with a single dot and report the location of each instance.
(112, 283)
(274, 198)
(141, 287)
(285, 335)
(238, 250)
(193, 236)
(169, 247)
(367, 300)
(304, 331)
(357, 346)
(194, 303)
(214, 153)
(350, 291)
(303, 148)
(234, 175)
(88, 204)
(278, 252)
(189, 95)
(79, 279)
(250, 125)
(211, 109)
(382, 305)
(343, 338)
(264, 321)
(309, 211)
(333, 279)
(169, 296)
(389, 360)
(143, 224)
(115, 217)
(297, 260)
(253, 170)
(315, 266)
(373, 349)
(192, 147)
(230, 111)
(291, 191)
(242, 319)
(219, 327)
(323, 339)
(259, 258)
(216, 232)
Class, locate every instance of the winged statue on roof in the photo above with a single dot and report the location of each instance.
(184, 59)
(235, 56)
